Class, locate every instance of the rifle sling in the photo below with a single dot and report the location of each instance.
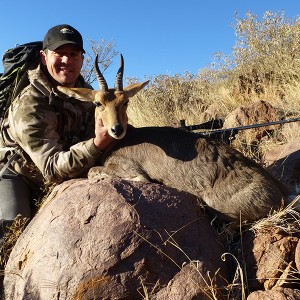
(7, 164)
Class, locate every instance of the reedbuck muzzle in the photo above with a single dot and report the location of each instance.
(111, 103)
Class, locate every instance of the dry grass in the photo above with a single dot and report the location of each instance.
(11, 236)
(286, 219)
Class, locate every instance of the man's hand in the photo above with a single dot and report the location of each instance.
(102, 138)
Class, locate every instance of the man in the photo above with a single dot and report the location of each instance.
(56, 137)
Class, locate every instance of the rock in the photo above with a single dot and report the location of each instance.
(115, 239)
(275, 294)
(269, 257)
(297, 257)
(181, 287)
(284, 162)
(257, 112)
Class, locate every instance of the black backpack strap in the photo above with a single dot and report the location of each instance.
(8, 163)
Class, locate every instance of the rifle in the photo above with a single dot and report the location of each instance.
(228, 134)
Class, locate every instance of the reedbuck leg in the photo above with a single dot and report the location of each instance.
(130, 171)
(98, 173)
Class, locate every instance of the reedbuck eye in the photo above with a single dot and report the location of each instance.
(98, 104)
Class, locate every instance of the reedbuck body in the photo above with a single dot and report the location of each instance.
(233, 187)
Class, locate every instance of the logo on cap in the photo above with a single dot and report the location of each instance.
(66, 30)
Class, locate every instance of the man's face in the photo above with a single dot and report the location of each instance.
(63, 64)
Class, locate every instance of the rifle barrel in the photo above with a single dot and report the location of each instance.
(236, 129)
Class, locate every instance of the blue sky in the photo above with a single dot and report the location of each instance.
(155, 37)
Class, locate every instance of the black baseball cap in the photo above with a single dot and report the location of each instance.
(60, 35)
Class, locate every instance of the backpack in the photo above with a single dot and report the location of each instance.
(16, 62)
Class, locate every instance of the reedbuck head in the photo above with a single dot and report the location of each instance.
(111, 103)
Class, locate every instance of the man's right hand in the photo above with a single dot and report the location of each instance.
(102, 138)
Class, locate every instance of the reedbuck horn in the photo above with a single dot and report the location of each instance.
(119, 77)
(100, 78)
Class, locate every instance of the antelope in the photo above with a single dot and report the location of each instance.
(231, 186)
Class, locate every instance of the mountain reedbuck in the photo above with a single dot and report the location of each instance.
(233, 187)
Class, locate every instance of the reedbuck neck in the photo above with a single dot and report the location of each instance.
(111, 103)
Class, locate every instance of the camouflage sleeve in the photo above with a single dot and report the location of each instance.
(34, 126)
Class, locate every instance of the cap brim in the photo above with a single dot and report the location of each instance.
(61, 43)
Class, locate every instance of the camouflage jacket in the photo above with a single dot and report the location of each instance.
(52, 133)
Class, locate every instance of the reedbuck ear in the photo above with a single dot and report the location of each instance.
(82, 94)
(132, 89)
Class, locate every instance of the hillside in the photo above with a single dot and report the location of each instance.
(264, 65)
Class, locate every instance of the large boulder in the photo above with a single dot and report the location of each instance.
(284, 162)
(116, 239)
(255, 113)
